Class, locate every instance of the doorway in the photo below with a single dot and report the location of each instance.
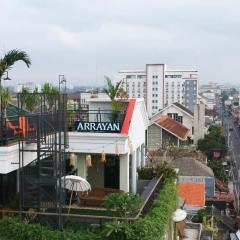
(111, 172)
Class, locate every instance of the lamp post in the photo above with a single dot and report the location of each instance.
(61, 80)
(1, 120)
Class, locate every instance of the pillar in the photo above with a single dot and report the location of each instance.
(124, 172)
(143, 155)
(134, 172)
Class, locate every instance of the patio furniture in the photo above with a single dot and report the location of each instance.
(75, 184)
(16, 130)
(96, 196)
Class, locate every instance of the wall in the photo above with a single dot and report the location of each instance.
(153, 70)
(199, 122)
(9, 157)
(95, 174)
(209, 183)
(154, 137)
(168, 138)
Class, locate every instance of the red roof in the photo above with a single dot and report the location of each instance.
(222, 197)
(173, 127)
(193, 193)
(128, 116)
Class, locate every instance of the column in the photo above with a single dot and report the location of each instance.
(134, 172)
(139, 156)
(143, 155)
(124, 172)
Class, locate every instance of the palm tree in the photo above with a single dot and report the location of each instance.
(29, 101)
(6, 98)
(10, 58)
(51, 94)
(112, 92)
(7, 62)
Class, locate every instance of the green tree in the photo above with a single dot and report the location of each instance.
(6, 98)
(7, 62)
(51, 94)
(29, 100)
(112, 90)
(10, 58)
(215, 139)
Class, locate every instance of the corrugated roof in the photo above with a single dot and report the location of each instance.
(191, 167)
(183, 108)
(193, 193)
(173, 127)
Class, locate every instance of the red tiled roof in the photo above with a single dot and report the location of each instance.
(173, 127)
(222, 197)
(128, 116)
(193, 193)
(74, 96)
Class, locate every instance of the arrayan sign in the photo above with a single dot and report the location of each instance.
(98, 126)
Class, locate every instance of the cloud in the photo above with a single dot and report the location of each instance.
(89, 39)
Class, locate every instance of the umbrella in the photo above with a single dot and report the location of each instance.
(75, 184)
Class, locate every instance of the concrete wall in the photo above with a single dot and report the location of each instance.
(154, 137)
(209, 183)
(9, 157)
(199, 122)
(155, 73)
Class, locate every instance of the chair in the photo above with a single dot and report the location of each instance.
(25, 126)
(16, 129)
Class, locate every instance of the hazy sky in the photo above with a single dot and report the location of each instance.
(87, 39)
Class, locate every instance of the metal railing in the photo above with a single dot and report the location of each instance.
(93, 116)
(147, 201)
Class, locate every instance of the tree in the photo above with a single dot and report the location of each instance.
(112, 91)
(10, 58)
(6, 98)
(214, 140)
(51, 94)
(29, 100)
(7, 62)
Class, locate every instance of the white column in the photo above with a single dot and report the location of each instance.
(139, 157)
(134, 172)
(81, 165)
(124, 172)
(143, 156)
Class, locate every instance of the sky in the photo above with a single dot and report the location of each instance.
(87, 39)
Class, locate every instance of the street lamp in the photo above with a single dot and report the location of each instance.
(61, 80)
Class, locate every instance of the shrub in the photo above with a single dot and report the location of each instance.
(145, 173)
(154, 225)
(123, 203)
(15, 229)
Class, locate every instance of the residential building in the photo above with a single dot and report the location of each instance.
(194, 121)
(106, 146)
(165, 131)
(191, 170)
(160, 86)
(123, 146)
(31, 86)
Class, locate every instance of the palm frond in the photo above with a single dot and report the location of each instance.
(13, 56)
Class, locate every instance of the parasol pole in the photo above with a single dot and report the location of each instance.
(69, 207)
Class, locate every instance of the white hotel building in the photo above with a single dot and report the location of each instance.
(160, 86)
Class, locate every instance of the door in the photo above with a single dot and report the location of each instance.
(111, 172)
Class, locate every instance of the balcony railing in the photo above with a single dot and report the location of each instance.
(95, 120)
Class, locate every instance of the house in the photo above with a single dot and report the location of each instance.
(191, 170)
(194, 121)
(104, 145)
(109, 146)
(166, 131)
